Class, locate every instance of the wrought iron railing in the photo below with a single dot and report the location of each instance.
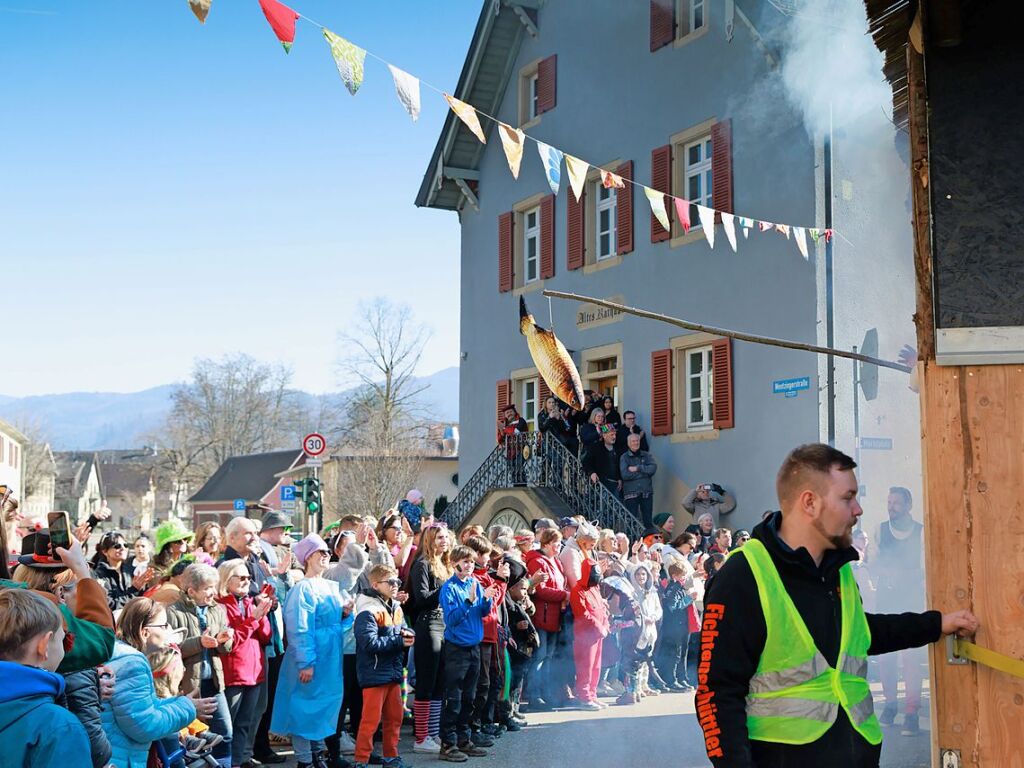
(536, 461)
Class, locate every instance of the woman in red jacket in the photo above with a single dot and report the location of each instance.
(590, 612)
(243, 666)
(550, 597)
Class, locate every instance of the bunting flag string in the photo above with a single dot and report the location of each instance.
(350, 60)
(282, 20)
(512, 143)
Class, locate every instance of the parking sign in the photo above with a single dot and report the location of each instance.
(239, 505)
(287, 493)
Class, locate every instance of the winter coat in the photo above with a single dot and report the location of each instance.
(601, 461)
(314, 626)
(639, 482)
(243, 665)
(82, 698)
(346, 573)
(34, 730)
(733, 610)
(464, 620)
(675, 623)
(650, 606)
(380, 653)
(556, 428)
(589, 436)
(117, 583)
(135, 717)
(184, 615)
(571, 557)
(424, 590)
(487, 579)
(589, 609)
(523, 642)
(550, 596)
(257, 576)
(717, 504)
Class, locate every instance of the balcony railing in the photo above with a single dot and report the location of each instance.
(533, 460)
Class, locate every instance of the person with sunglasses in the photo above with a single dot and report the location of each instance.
(113, 570)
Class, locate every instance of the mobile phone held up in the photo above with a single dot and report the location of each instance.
(60, 530)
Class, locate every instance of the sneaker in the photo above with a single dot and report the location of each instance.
(479, 738)
(428, 746)
(469, 749)
(589, 706)
(376, 758)
(888, 716)
(451, 754)
(194, 745)
(346, 744)
(492, 729)
(626, 698)
(263, 758)
(395, 762)
(513, 726)
(911, 726)
(519, 720)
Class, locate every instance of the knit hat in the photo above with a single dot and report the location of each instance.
(312, 543)
(516, 570)
(275, 519)
(652, 530)
(661, 518)
(169, 532)
(415, 496)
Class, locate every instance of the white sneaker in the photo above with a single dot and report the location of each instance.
(346, 744)
(428, 745)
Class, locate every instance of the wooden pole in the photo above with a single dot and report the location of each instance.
(738, 335)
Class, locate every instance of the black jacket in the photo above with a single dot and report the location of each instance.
(622, 433)
(602, 461)
(734, 635)
(257, 578)
(118, 583)
(424, 590)
(82, 694)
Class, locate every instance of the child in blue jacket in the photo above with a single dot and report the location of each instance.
(464, 604)
(33, 728)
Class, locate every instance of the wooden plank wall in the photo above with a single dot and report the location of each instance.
(973, 444)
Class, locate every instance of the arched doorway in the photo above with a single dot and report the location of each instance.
(510, 517)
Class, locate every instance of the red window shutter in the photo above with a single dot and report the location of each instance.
(543, 393)
(721, 363)
(505, 252)
(661, 179)
(504, 395)
(624, 210)
(661, 392)
(663, 23)
(547, 237)
(547, 77)
(575, 233)
(721, 166)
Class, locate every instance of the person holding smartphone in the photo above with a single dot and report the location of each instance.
(111, 568)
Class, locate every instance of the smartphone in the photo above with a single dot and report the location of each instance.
(60, 530)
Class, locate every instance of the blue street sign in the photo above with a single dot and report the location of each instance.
(876, 443)
(791, 386)
(239, 505)
(287, 493)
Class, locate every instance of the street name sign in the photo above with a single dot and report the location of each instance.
(789, 387)
(876, 443)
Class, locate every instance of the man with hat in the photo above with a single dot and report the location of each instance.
(568, 527)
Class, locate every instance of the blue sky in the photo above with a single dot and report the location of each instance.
(174, 190)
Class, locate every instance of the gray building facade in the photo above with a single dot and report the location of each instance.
(626, 95)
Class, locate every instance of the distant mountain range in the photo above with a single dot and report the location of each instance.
(86, 421)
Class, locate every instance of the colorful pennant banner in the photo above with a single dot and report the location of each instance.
(350, 60)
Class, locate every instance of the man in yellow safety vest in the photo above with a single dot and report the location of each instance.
(782, 674)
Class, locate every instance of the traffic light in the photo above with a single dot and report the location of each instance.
(311, 494)
(302, 489)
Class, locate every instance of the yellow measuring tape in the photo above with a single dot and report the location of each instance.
(979, 655)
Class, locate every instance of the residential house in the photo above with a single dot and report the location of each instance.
(682, 96)
(12, 469)
(170, 494)
(253, 481)
(131, 496)
(79, 485)
(40, 483)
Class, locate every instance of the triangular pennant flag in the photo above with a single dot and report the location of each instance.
(200, 8)
(783, 228)
(657, 201)
(408, 89)
(815, 233)
(799, 234)
(729, 225)
(512, 141)
(683, 212)
(764, 226)
(747, 225)
(282, 21)
(350, 60)
(552, 159)
(610, 180)
(467, 115)
(707, 222)
(828, 235)
(577, 174)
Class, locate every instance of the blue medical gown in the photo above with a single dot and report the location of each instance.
(314, 627)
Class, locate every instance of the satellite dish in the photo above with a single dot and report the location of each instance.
(868, 373)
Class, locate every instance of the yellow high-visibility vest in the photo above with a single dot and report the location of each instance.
(795, 696)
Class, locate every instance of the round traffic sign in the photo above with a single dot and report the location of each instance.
(314, 444)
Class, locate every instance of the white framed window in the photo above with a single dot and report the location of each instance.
(690, 17)
(605, 216)
(528, 397)
(531, 96)
(700, 388)
(697, 174)
(696, 14)
(531, 245)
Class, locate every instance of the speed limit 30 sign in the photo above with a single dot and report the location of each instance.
(314, 444)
